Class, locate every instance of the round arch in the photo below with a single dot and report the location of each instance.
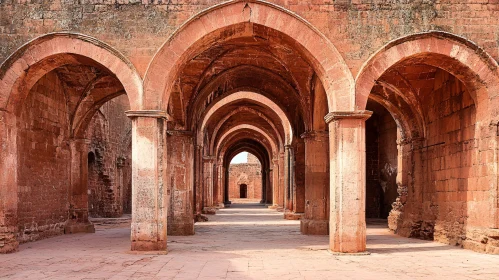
(247, 127)
(222, 121)
(257, 98)
(456, 55)
(23, 68)
(203, 28)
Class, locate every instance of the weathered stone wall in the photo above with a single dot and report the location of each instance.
(357, 28)
(43, 161)
(448, 188)
(109, 174)
(250, 174)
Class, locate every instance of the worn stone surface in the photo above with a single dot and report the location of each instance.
(243, 243)
(110, 162)
(251, 76)
(245, 179)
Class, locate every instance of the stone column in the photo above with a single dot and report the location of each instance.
(181, 182)
(149, 196)
(298, 175)
(347, 148)
(8, 183)
(288, 203)
(78, 207)
(315, 220)
(263, 172)
(269, 187)
(275, 183)
(282, 184)
(198, 177)
(227, 202)
(408, 165)
(208, 179)
(217, 188)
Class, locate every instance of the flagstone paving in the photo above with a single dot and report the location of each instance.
(246, 241)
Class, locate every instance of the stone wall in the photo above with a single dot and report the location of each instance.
(448, 176)
(109, 169)
(43, 161)
(249, 174)
(139, 28)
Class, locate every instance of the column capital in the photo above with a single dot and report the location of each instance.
(185, 133)
(208, 158)
(159, 114)
(414, 140)
(340, 115)
(80, 141)
(314, 134)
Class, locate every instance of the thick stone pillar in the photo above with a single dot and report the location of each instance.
(264, 185)
(269, 187)
(218, 193)
(8, 183)
(198, 179)
(78, 207)
(282, 184)
(208, 180)
(298, 175)
(274, 177)
(288, 188)
(347, 149)
(149, 195)
(315, 220)
(181, 183)
(404, 162)
(290, 191)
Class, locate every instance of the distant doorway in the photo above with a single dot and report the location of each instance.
(243, 191)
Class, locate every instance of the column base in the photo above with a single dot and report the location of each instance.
(209, 210)
(78, 222)
(8, 242)
(77, 227)
(220, 206)
(280, 209)
(227, 204)
(314, 227)
(365, 253)
(181, 228)
(273, 206)
(148, 246)
(292, 215)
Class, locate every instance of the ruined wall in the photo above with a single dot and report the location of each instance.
(109, 174)
(180, 183)
(250, 174)
(447, 197)
(43, 161)
(357, 28)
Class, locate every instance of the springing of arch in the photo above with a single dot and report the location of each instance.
(23, 69)
(205, 28)
(462, 58)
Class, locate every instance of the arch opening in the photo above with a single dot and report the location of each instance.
(445, 91)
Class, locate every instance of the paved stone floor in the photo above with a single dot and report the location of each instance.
(245, 241)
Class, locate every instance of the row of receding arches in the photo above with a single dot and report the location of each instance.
(227, 82)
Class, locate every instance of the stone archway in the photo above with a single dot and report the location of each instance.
(418, 72)
(165, 101)
(29, 73)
